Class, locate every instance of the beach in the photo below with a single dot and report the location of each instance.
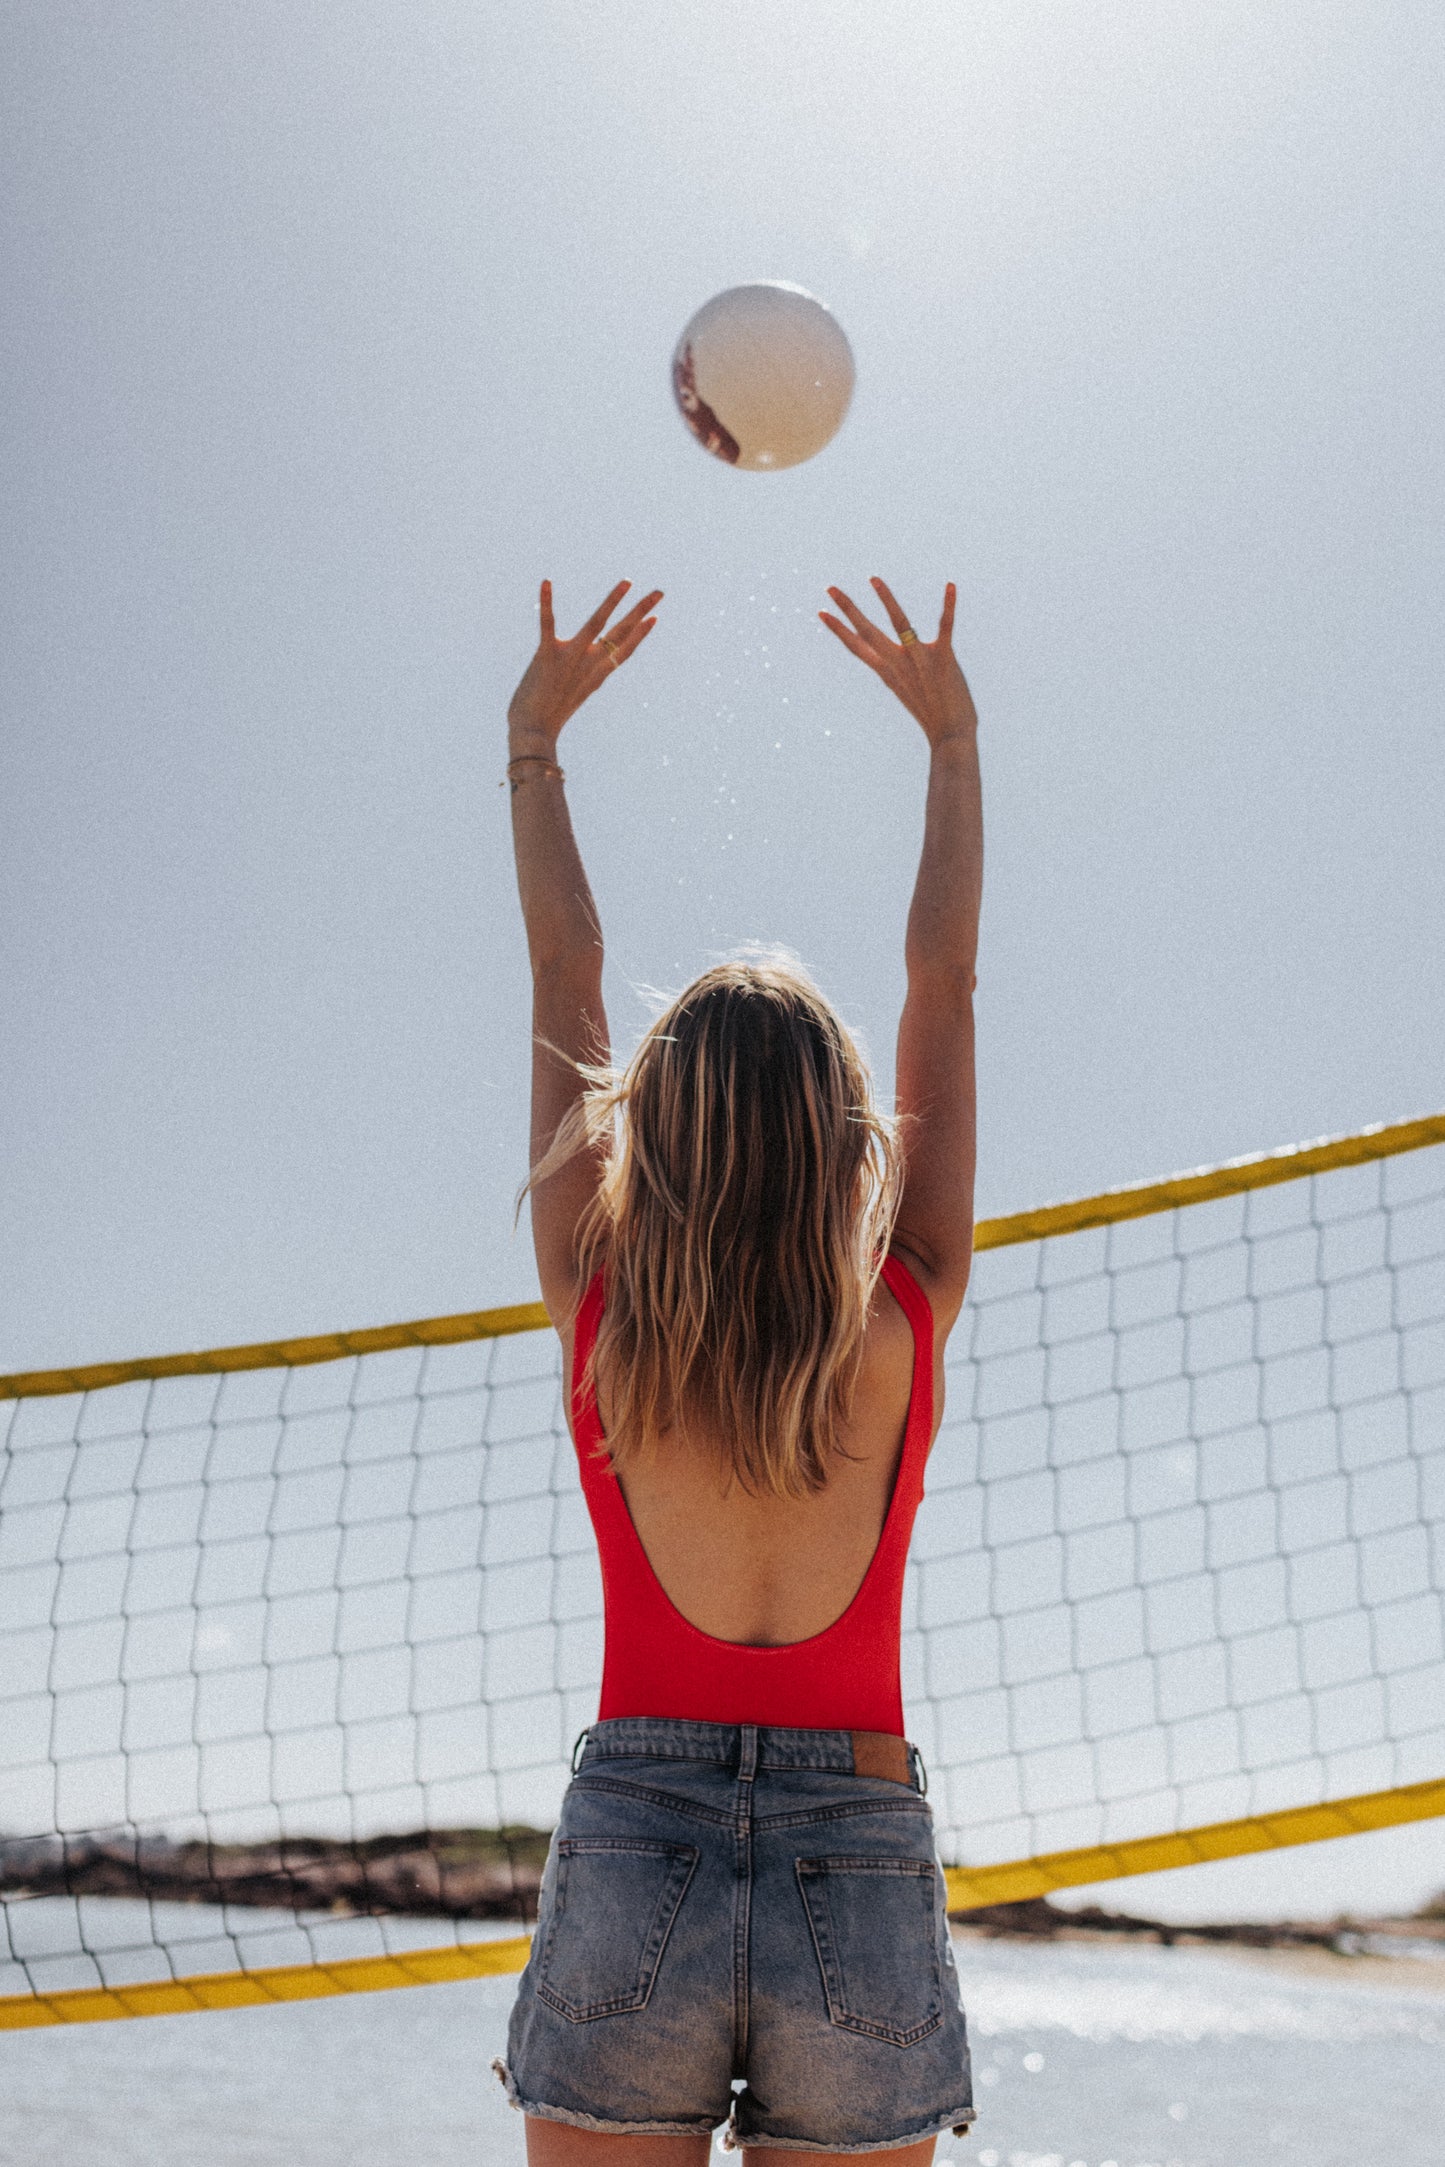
(1087, 2053)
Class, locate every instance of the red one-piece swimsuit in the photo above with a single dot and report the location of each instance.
(656, 1664)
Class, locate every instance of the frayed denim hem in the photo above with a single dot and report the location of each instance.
(602, 2123)
(960, 2122)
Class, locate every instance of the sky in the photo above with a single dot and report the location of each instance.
(333, 329)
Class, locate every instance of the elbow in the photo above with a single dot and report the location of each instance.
(950, 979)
(563, 958)
(572, 986)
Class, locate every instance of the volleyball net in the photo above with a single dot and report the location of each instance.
(295, 1640)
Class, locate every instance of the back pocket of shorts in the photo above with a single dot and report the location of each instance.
(613, 1909)
(873, 1927)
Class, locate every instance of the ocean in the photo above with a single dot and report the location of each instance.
(1086, 2055)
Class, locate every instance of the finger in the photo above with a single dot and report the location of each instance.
(636, 613)
(945, 622)
(614, 648)
(600, 615)
(627, 644)
(549, 627)
(848, 638)
(863, 626)
(895, 614)
(851, 641)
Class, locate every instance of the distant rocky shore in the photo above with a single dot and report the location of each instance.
(496, 1874)
(1039, 1920)
(438, 1873)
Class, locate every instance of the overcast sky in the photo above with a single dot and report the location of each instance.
(332, 328)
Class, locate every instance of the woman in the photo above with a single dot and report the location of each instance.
(753, 1276)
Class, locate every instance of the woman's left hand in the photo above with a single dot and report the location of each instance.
(564, 673)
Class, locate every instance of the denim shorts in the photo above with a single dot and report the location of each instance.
(733, 1927)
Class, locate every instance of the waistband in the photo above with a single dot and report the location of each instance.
(751, 1747)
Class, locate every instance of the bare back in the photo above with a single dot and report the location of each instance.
(765, 1571)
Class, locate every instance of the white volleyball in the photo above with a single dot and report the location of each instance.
(763, 375)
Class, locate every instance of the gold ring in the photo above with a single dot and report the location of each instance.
(603, 640)
(908, 636)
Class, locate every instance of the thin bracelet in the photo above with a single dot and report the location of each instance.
(530, 759)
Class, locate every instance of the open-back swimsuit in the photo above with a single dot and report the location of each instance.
(657, 1664)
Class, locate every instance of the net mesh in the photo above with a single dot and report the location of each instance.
(292, 1660)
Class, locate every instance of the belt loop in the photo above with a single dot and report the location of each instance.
(579, 1747)
(920, 1772)
(748, 1753)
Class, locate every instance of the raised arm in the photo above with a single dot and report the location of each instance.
(564, 937)
(936, 1098)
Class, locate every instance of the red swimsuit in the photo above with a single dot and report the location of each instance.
(656, 1664)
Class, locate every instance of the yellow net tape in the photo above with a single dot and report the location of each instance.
(1111, 1207)
(284, 1982)
(1233, 1177)
(968, 1887)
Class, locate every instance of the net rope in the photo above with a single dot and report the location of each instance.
(292, 1658)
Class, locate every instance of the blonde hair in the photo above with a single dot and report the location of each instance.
(747, 1198)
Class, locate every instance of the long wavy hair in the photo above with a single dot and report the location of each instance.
(747, 1198)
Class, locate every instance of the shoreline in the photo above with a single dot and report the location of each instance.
(436, 1873)
(1384, 1941)
(496, 1874)
(1307, 1966)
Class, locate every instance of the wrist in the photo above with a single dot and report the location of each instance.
(530, 737)
(950, 743)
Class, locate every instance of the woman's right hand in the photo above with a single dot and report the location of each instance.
(923, 674)
(564, 673)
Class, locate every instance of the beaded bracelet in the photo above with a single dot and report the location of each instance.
(531, 759)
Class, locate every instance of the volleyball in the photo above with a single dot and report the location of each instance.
(763, 375)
